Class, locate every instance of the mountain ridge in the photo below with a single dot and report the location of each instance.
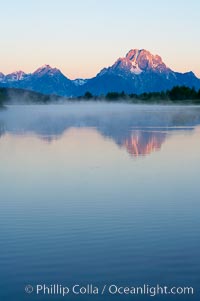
(138, 72)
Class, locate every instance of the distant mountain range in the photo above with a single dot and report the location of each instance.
(138, 72)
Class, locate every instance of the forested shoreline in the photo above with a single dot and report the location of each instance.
(178, 94)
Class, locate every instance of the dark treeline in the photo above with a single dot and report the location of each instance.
(177, 94)
(2, 97)
(10, 95)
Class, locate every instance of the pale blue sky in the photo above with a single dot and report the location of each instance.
(80, 37)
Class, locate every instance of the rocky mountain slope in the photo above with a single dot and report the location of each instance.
(138, 72)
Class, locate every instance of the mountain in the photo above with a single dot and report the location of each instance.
(15, 76)
(138, 72)
(46, 80)
(2, 76)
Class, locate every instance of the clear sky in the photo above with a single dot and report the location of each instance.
(80, 37)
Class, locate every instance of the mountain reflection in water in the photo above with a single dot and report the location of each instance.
(107, 193)
(141, 130)
(144, 143)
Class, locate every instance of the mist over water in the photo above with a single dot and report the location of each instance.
(99, 193)
(111, 120)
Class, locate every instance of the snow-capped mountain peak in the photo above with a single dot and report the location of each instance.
(143, 60)
(132, 56)
(17, 75)
(79, 81)
(46, 69)
(136, 62)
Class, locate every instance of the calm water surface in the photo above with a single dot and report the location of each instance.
(99, 193)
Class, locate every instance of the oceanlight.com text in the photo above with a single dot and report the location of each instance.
(107, 289)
